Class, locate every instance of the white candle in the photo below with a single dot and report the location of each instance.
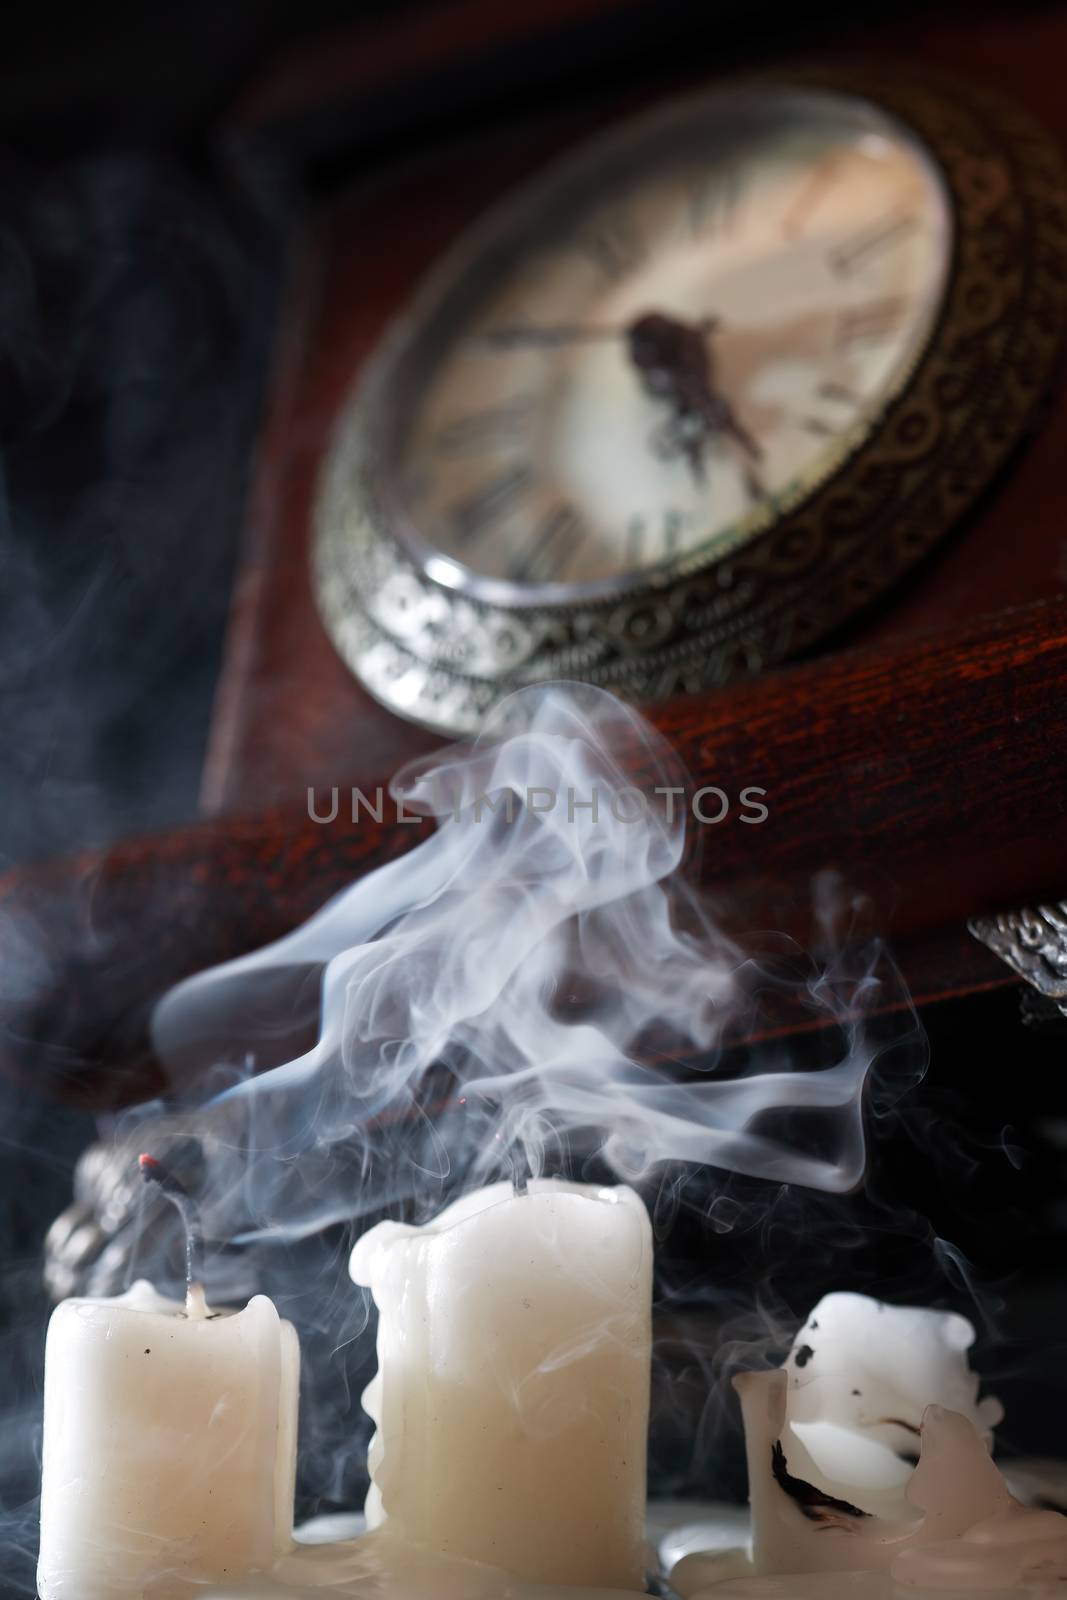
(512, 1393)
(959, 1529)
(861, 1374)
(843, 1417)
(169, 1443)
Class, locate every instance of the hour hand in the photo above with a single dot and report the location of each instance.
(522, 335)
(525, 334)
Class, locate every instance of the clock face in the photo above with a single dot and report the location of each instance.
(666, 345)
(683, 406)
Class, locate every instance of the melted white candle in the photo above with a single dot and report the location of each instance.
(843, 1415)
(169, 1443)
(964, 1534)
(844, 1411)
(861, 1374)
(512, 1393)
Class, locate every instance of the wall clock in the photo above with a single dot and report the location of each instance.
(696, 395)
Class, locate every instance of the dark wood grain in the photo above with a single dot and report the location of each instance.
(390, 53)
(930, 772)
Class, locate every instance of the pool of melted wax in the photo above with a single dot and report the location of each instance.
(1014, 1552)
(959, 1569)
(335, 1557)
(866, 1586)
(984, 1563)
(377, 1567)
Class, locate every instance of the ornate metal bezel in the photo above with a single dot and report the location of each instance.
(442, 657)
(1033, 942)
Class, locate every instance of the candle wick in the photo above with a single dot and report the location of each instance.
(520, 1183)
(196, 1306)
(154, 1172)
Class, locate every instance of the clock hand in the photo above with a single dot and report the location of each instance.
(675, 366)
(672, 359)
(723, 419)
(515, 337)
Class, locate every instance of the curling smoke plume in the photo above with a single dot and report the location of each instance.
(488, 1000)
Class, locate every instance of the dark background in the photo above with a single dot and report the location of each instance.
(145, 234)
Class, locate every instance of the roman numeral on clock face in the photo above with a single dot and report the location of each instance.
(473, 517)
(714, 201)
(851, 254)
(870, 323)
(818, 427)
(651, 538)
(546, 554)
(829, 389)
(490, 427)
(615, 246)
(815, 185)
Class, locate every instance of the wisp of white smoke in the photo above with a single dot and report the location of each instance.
(499, 990)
